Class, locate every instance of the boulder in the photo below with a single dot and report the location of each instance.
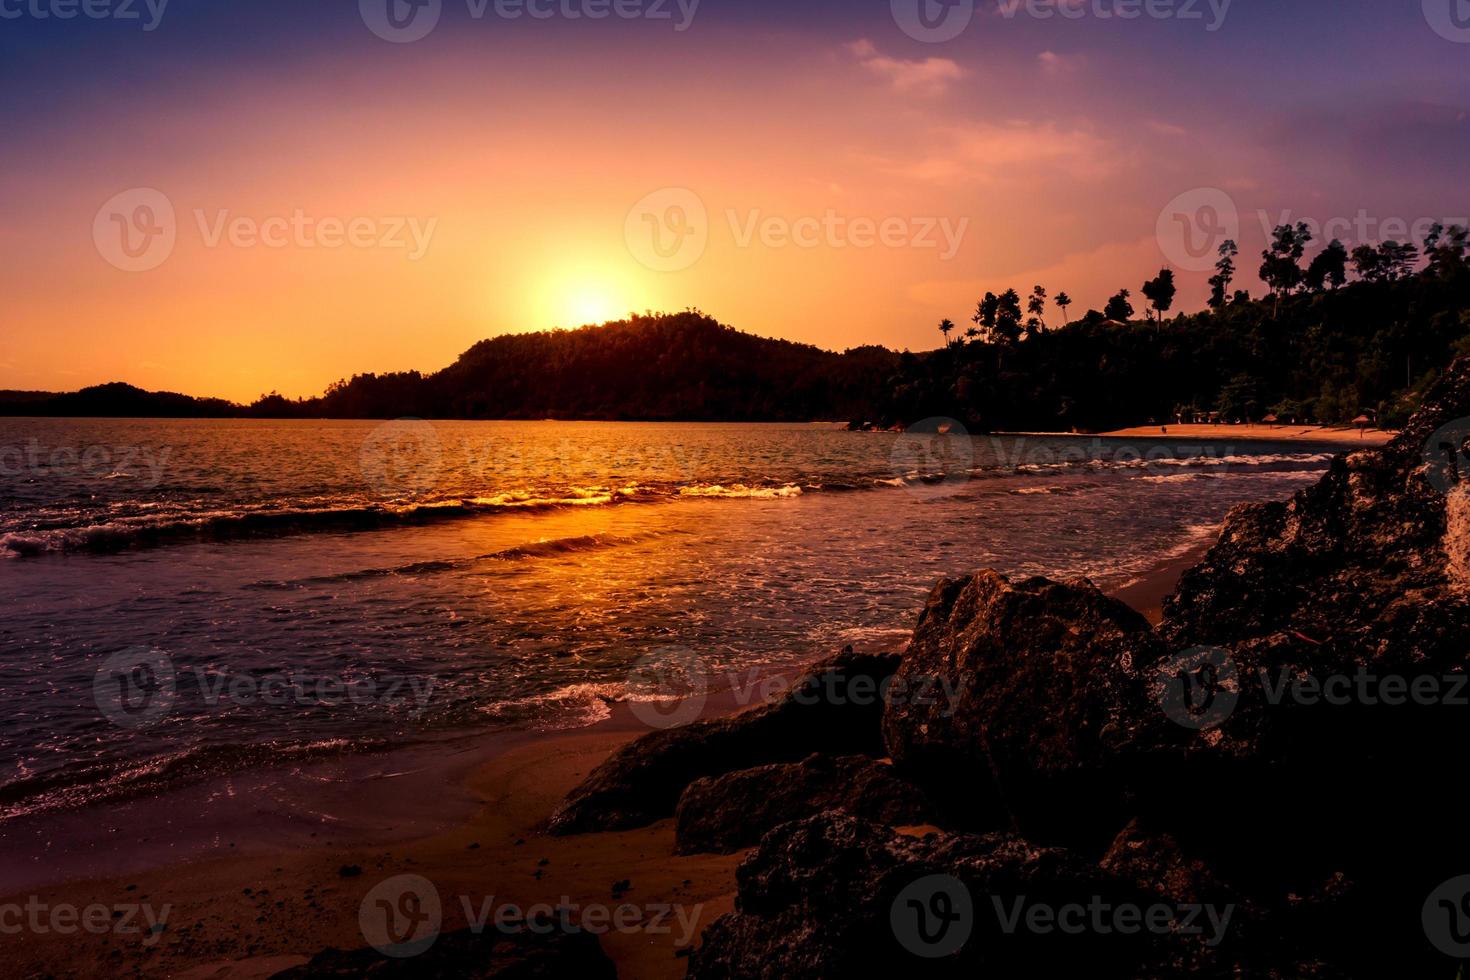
(835, 708)
(465, 955)
(726, 813)
(1043, 707)
(836, 896)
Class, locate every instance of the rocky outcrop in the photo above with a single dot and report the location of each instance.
(836, 896)
(464, 955)
(733, 811)
(1380, 535)
(1042, 704)
(836, 709)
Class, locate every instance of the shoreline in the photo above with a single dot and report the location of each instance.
(467, 814)
(1320, 435)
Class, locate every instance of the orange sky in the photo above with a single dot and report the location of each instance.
(524, 162)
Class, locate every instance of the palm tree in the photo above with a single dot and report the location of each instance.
(1063, 301)
(945, 326)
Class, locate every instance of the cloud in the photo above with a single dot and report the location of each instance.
(990, 153)
(930, 77)
(1055, 65)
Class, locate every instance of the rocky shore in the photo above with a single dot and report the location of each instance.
(1276, 757)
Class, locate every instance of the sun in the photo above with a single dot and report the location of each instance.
(591, 304)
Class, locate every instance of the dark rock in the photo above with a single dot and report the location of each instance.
(829, 897)
(817, 899)
(349, 870)
(1359, 578)
(836, 708)
(733, 811)
(463, 955)
(1043, 705)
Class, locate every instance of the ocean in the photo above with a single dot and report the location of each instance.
(188, 598)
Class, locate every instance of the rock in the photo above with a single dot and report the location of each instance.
(1382, 532)
(817, 899)
(1046, 706)
(729, 812)
(836, 708)
(1356, 580)
(463, 955)
(831, 896)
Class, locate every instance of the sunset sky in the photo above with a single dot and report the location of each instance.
(519, 150)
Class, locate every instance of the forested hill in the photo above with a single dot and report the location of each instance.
(683, 366)
(1326, 350)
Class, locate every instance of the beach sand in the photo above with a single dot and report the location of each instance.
(1319, 434)
(249, 912)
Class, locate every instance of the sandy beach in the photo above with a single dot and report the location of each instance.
(470, 820)
(1319, 434)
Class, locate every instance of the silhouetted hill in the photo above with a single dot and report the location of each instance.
(115, 400)
(670, 367)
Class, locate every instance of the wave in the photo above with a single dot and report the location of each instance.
(151, 523)
(545, 548)
(101, 782)
(740, 491)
